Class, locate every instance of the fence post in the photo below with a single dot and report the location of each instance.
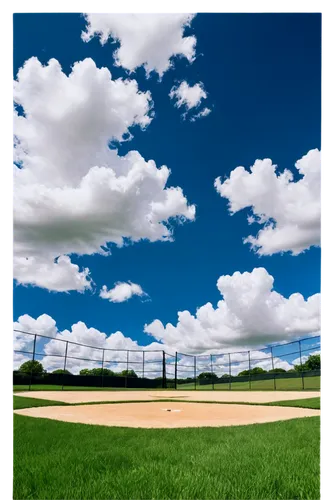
(126, 370)
(211, 369)
(195, 372)
(229, 372)
(249, 369)
(300, 361)
(63, 375)
(273, 368)
(103, 368)
(143, 364)
(163, 372)
(33, 359)
(176, 370)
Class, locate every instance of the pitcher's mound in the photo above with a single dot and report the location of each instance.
(154, 415)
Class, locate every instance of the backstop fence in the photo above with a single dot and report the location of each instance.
(67, 364)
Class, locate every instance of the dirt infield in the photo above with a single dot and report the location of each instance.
(218, 396)
(168, 415)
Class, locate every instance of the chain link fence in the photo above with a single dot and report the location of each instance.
(66, 364)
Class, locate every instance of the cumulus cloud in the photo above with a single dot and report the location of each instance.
(121, 292)
(59, 275)
(72, 193)
(52, 352)
(148, 40)
(89, 353)
(251, 313)
(289, 210)
(188, 96)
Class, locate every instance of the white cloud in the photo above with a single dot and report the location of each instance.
(188, 96)
(82, 356)
(52, 351)
(121, 292)
(60, 275)
(201, 114)
(250, 314)
(43, 325)
(72, 194)
(220, 363)
(149, 40)
(289, 210)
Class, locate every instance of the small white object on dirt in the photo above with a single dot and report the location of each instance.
(169, 409)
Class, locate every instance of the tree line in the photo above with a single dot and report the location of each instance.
(35, 367)
(312, 363)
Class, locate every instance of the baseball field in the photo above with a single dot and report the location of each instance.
(166, 445)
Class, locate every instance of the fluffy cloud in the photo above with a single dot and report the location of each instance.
(188, 96)
(149, 40)
(121, 292)
(201, 114)
(59, 275)
(289, 210)
(251, 313)
(72, 193)
(51, 353)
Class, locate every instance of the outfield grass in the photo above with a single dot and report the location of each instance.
(20, 402)
(283, 384)
(40, 387)
(313, 403)
(55, 460)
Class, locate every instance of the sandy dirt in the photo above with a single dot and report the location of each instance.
(168, 415)
(223, 396)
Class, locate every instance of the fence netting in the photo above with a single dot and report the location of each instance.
(65, 364)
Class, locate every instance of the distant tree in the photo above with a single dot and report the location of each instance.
(61, 371)
(313, 362)
(102, 371)
(207, 376)
(85, 371)
(128, 373)
(225, 375)
(32, 366)
(292, 370)
(255, 371)
(277, 370)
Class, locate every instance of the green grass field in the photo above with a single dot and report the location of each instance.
(20, 402)
(40, 387)
(282, 384)
(286, 384)
(55, 460)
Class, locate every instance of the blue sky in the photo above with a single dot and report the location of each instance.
(262, 73)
